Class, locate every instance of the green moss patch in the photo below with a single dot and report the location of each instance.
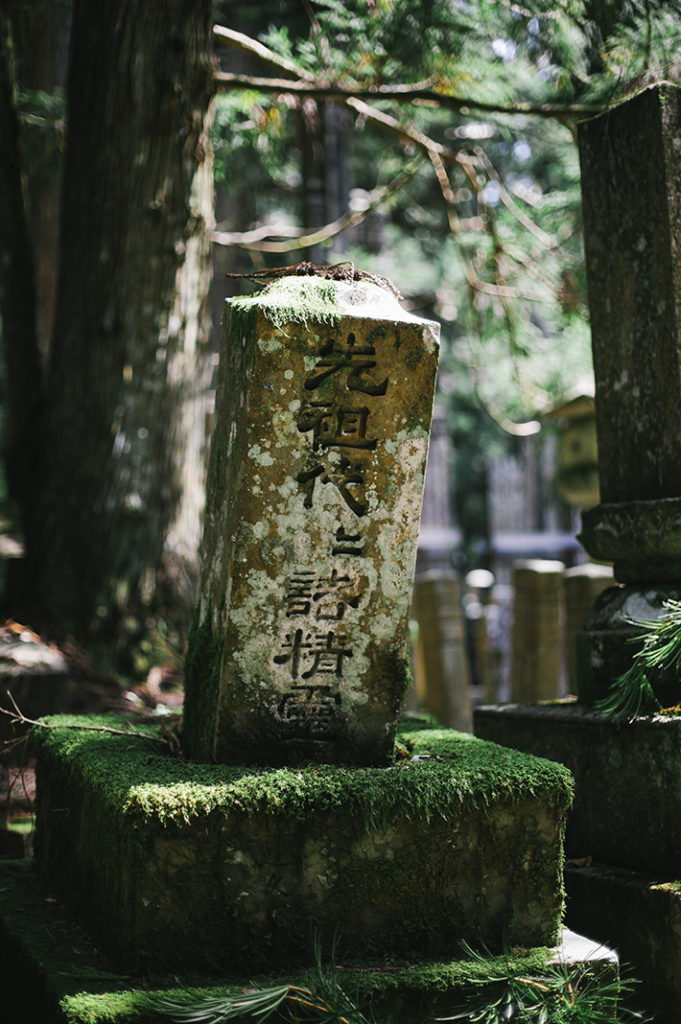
(443, 768)
(293, 299)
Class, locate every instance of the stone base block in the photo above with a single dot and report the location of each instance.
(640, 916)
(627, 778)
(60, 977)
(182, 866)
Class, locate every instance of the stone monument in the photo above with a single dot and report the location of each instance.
(314, 496)
(625, 816)
(297, 659)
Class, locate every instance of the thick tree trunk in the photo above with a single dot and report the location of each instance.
(17, 297)
(118, 508)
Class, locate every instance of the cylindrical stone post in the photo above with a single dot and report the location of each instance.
(324, 401)
(442, 650)
(536, 665)
(583, 584)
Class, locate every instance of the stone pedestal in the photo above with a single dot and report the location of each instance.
(178, 866)
(314, 493)
(441, 650)
(537, 630)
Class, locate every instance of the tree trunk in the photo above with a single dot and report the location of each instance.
(17, 297)
(116, 518)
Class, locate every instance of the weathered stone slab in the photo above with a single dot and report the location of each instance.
(188, 866)
(640, 914)
(323, 411)
(627, 778)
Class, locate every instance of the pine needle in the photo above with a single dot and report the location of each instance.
(659, 655)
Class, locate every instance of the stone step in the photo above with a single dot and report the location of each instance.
(639, 914)
(181, 866)
(60, 976)
(627, 778)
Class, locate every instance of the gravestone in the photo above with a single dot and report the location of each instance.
(441, 650)
(626, 772)
(536, 660)
(324, 400)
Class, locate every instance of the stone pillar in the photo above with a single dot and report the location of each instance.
(299, 651)
(445, 684)
(536, 658)
(583, 584)
(631, 189)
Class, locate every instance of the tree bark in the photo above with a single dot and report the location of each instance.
(116, 518)
(17, 297)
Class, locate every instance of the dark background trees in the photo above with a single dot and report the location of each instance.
(105, 429)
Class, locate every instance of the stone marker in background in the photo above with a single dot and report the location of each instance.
(583, 584)
(441, 658)
(537, 646)
(324, 402)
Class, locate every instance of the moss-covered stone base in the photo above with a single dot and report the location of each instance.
(627, 778)
(60, 978)
(182, 866)
(639, 914)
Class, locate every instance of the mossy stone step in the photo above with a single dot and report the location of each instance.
(61, 978)
(182, 866)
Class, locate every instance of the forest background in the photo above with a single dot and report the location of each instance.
(432, 142)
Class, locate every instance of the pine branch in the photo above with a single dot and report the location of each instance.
(403, 94)
(632, 693)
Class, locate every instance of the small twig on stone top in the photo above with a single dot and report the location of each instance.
(19, 718)
(345, 271)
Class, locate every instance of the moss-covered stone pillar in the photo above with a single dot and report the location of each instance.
(631, 190)
(299, 651)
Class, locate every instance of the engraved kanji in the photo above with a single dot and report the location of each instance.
(311, 703)
(345, 476)
(352, 358)
(317, 653)
(333, 594)
(299, 593)
(348, 543)
(332, 427)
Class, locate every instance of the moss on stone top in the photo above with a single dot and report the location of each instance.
(439, 771)
(293, 299)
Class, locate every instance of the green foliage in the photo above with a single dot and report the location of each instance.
(560, 994)
(658, 656)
